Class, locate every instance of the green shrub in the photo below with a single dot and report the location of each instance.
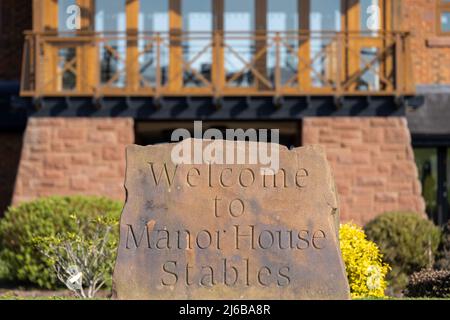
(408, 243)
(45, 217)
(429, 284)
(366, 271)
(4, 272)
(443, 255)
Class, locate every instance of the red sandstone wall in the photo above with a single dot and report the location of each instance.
(430, 52)
(73, 156)
(373, 164)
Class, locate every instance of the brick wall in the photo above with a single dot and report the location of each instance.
(430, 52)
(15, 18)
(373, 164)
(62, 156)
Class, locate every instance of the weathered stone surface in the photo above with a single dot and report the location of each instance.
(228, 232)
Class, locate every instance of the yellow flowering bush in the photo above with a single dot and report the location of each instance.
(366, 271)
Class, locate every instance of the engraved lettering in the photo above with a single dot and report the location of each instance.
(261, 274)
(222, 183)
(236, 208)
(194, 172)
(239, 235)
(164, 170)
(318, 236)
(137, 243)
(206, 236)
(284, 279)
(249, 174)
(300, 178)
(168, 268)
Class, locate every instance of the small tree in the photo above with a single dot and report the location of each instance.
(84, 264)
(45, 217)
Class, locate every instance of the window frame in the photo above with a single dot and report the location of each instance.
(441, 7)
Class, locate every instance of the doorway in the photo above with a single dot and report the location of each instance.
(433, 163)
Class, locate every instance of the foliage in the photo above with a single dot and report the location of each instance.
(10, 296)
(3, 271)
(408, 242)
(365, 268)
(83, 263)
(46, 217)
(429, 283)
(443, 255)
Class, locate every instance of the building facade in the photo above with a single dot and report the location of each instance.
(368, 79)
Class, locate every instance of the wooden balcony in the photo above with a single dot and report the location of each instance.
(217, 65)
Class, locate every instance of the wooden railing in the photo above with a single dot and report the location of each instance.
(217, 65)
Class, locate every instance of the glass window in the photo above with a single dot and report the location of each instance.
(197, 46)
(68, 15)
(282, 16)
(370, 16)
(444, 16)
(153, 18)
(68, 22)
(110, 16)
(239, 15)
(67, 65)
(371, 24)
(370, 79)
(110, 19)
(197, 15)
(239, 26)
(426, 159)
(445, 21)
(448, 182)
(325, 16)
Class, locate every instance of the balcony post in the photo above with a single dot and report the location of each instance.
(261, 41)
(37, 27)
(218, 75)
(399, 56)
(47, 22)
(88, 60)
(158, 43)
(278, 84)
(387, 21)
(339, 63)
(407, 60)
(87, 14)
(176, 50)
(132, 59)
(48, 15)
(38, 10)
(304, 51)
(352, 12)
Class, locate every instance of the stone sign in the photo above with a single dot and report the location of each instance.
(220, 231)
